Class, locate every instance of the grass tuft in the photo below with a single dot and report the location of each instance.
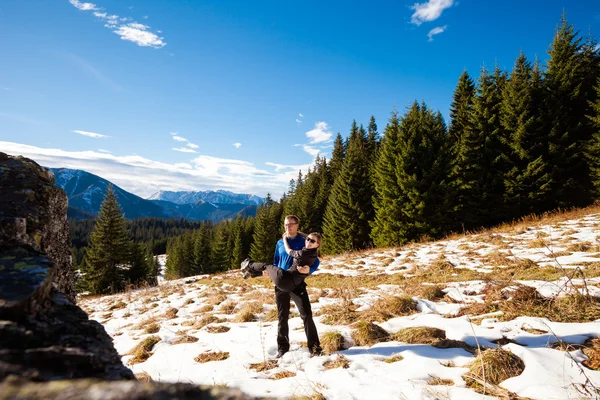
(592, 351)
(143, 350)
(419, 335)
(493, 366)
(394, 358)
(332, 341)
(390, 307)
(339, 362)
(367, 334)
(212, 356)
(283, 375)
(264, 366)
(217, 329)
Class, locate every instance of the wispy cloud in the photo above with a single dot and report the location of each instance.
(127, 28)
(189, 145)
(83, 6)
(436, 31)
(144, 176)
(301, 115)
(104, 151)
(311, 150)
(298, 121)
(320, 133)
(91, 134)
(184, 149)
(430, 11)
(237, 145)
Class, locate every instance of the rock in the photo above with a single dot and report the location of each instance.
(30, 201)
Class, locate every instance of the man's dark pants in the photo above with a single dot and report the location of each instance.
(300, 297)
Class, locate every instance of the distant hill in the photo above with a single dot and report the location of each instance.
(208, 196)
(86, 192)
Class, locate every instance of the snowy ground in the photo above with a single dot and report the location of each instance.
(176, 309)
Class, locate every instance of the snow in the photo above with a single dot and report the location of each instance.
(549, 373)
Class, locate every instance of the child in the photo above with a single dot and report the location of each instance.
(287, 280)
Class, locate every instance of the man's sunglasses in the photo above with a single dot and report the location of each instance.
(311, 240)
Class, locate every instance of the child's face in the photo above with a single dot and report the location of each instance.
(311, 242)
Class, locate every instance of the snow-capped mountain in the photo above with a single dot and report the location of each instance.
(86, 192)
(208, 196)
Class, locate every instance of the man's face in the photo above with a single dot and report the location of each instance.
(291, 227)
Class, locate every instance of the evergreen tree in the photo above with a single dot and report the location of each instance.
(139, 270)
(337, 156)
(263, 246)
(566, 109)
(486, 130)
(174, 255)
(373, 140)
(220, 256)
(238, 249)
(349, 208)
(466, 149)
(202, 247)
(422, 174)
(387, 222)
(109, 250)
(527, 179)
(593, 147)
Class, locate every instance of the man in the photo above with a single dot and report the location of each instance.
(299, 294)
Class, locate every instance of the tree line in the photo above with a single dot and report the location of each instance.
(519, 142)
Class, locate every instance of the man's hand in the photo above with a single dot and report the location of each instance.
(304, 270)
(284, 235)
(265, 273)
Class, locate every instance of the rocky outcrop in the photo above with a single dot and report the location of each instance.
(33, 211)
(49, 348)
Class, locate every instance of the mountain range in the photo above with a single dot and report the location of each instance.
(86, 192)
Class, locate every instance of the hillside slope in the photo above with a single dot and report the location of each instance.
(409, 321)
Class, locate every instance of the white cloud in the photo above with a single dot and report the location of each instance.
(320, 133)
(192, 145)
(143, 176)
(125, 27)
(298, 121)
(184, 149)
(83, 6)
(430, 11)
(179, 138)
(436, 31)
(300, 115)
(140, 35)
(104, 151)
(91, 134)
(145, 17)
(310, 150)
(237, 145)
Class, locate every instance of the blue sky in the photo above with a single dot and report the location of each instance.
(238, 95)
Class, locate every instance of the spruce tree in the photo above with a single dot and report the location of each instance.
(466, 149)
(108, 253)
(202, 248)
(220, 256)
(172, 267)
(566, 109)
(139, 267)
(238, 247)
(593, 146)
(527, 179)
(349, 207)
(386, 200)
(265, 224)
(337, 156)
(422, 173)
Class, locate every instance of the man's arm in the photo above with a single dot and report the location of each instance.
(286, 244)
(305, 269)
(276, 257)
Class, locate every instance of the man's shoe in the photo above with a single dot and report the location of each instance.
(280, 353)
(316, 352)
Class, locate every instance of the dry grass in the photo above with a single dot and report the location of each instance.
(143, 350)
(171, 313)
(436, 381)
(204, 309)
(339, 314)
(184, 338)
(367, 334)
(419, 335)
(146, 322)
(188, 322)
(493, 366)
(260, 296)
(212, 356)
(207, 319)
(245, 315)
(394, 358)
(339, 362)
(264, 366)
(332, 341)
(390, 307)
(152, 328)
(217, 329)
(144, 377)
(228, 307)
(188, 301)
(283, 375)
(592, 351)
(117, 306)
(270, 315)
